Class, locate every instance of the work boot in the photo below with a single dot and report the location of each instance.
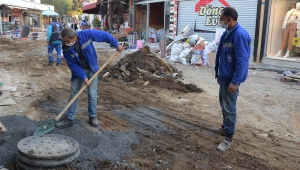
(64, 123)
(57, 64)
(219, 131)
(93, 121)
(224, 145)
(50, 63)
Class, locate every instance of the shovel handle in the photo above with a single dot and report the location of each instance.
(85, 86)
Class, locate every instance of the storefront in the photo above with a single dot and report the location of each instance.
(26, 12)
(282, 30)
(204, 16)
(152, 19)
(8, 16)
(33, 18)
(112, 13)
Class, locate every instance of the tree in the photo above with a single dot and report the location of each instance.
(65, 7)
(76, 7)
(96, 23)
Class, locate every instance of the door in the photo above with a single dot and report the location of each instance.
(141, 20)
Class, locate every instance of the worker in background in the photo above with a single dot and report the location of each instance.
(54, 41)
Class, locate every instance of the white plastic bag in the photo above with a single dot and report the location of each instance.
(196, 59)
(184, 54)
(153, 35)
(175, 51)
(219, 33)
(205, 56)
(211, 46)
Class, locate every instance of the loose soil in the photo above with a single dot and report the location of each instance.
(160, 74)
(156, 126)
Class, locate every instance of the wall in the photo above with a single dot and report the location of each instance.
(207, 17)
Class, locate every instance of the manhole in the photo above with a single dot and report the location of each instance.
(46, 151)
(48, 146)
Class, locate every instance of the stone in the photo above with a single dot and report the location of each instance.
(1, 168)
(2, 128)
(7, 102)
(31, 114)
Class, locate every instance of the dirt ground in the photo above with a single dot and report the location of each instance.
(153, 126)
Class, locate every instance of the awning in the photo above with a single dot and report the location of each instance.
(91, 8)
(25, 5)
(50, 13)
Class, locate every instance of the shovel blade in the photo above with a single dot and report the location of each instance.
(47, 127)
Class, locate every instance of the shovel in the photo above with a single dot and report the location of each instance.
(48, 126)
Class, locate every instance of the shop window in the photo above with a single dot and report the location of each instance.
(119, 15)
(283, 29)
(33, 20)
(5, 21)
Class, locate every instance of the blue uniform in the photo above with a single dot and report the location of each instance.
(79, 69)
(232, 62)
(54, 39)
(233, 55)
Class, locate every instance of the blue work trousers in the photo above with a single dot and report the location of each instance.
(228, 105)
(57, 47)
(92, 95)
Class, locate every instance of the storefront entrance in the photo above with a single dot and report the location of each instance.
(152, 20)
(282, 32)
(8, 17)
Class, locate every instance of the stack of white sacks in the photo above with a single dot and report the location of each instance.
(183, 51)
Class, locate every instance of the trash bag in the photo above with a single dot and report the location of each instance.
(197, 57)
(205, 56)
(184, 56)
(175, 51)
(192, 42)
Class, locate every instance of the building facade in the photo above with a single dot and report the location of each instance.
(282, 24)
(26, 12)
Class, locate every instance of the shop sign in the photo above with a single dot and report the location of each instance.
(212, 13)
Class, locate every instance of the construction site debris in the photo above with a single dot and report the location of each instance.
(146, 66)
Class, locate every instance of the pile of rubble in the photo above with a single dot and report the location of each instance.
(145, 67)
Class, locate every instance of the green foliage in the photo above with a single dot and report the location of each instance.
(96, 23)
(65, 7)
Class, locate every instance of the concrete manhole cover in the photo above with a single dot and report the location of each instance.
(49, 146)
(45, 162)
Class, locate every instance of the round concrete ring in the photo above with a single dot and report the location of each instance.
(49, 146)
(46, 163)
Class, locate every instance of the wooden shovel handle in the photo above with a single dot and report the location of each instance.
(85, 86)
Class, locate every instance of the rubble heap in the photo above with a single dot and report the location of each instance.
(145, 67)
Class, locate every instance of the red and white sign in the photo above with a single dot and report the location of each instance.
(212, 13)
(207, 2)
